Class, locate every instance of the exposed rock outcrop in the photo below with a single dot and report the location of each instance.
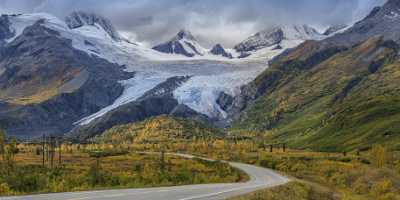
(218, 50)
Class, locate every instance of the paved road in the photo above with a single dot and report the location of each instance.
(260, 178)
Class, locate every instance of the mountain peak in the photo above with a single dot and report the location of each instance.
(78, 19)
(219, 50)
(184, 43)
(184, 34)
(276, 34)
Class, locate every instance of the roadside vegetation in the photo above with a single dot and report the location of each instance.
(372, 174)
(91, 166)
(362, 174)
(291, 191)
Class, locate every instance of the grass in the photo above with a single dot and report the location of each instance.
(118, 169)
(291, 191)
(158, 129)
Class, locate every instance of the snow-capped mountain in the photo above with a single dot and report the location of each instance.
(79, 19)
(179, 75)
(184, 43)
(275, 35)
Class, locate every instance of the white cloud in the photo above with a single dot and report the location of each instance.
(222, 21)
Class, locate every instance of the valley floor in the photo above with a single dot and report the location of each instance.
(370, 174)
(80, 170)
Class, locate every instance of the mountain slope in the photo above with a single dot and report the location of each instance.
(343, 101)
(329, 95)
(46, 84)
(381, 21)
(335, 29)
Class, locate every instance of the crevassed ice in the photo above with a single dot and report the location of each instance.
(201, 92)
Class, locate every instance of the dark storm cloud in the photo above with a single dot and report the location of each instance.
(225, 21)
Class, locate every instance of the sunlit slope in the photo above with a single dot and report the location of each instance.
(334, 99)
(159, 129)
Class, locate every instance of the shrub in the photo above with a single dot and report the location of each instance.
(5, 189)
(339, 179)
(361, 186)
(381, 188)
(398, 167)
(378, 156)
(269, 163)
(388, 196)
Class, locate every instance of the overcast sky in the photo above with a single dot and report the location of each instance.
(211, 21)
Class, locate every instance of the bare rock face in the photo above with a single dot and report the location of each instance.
(78, 19)
(218, 50)
(5, 31)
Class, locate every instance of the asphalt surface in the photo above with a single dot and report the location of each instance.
(260, 178)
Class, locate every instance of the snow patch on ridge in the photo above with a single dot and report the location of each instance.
(135, 88)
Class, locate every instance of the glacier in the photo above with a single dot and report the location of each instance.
(210, 74)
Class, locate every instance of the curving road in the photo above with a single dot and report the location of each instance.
(260, 178)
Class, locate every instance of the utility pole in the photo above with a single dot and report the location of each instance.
(47, 148)
(43, 149)
(162, 164)
(59, 151)
(52, 151)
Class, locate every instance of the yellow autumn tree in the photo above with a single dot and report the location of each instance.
(378, 156)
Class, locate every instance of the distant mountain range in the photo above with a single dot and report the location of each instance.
(79, 77)
(278, 37)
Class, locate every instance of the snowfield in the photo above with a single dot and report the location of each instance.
(211, 74)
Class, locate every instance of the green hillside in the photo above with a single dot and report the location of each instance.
(158, 129)
(330, 98)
